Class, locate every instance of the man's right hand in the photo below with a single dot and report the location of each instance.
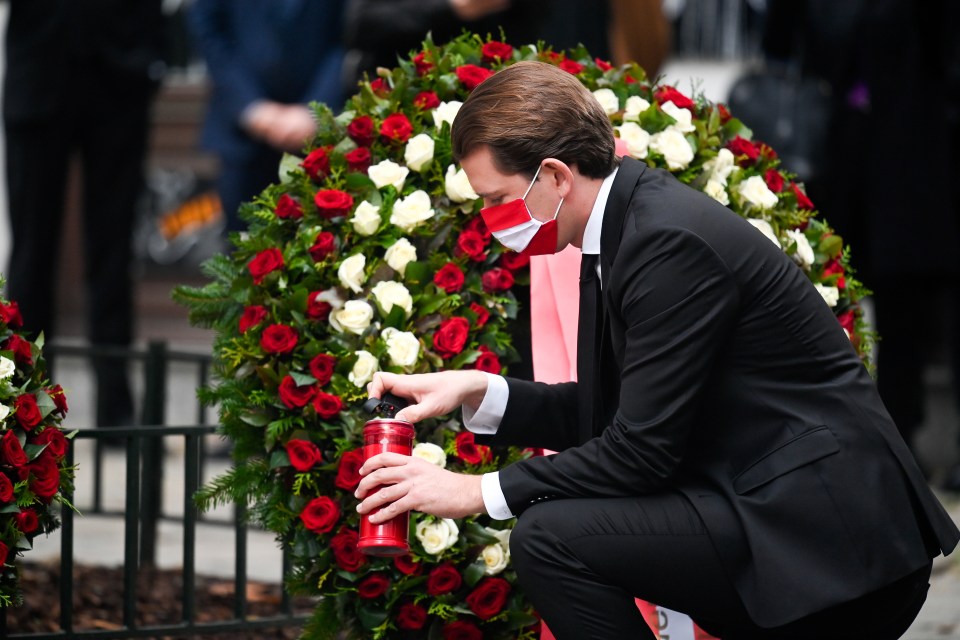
(432, 394)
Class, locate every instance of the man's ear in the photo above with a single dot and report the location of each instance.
(559, 174)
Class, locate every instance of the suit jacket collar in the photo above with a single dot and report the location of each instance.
(613, 216)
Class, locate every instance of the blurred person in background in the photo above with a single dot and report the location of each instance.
(886, 175)
(80, 79)
(267, 60)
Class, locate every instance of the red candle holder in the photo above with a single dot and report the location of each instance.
(389, 538)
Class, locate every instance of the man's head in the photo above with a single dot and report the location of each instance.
(531, 111)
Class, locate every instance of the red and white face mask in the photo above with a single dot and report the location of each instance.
(514, 226)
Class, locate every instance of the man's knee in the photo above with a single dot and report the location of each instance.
(534, 538)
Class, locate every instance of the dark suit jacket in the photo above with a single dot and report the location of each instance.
(283, 50)
(732, 382)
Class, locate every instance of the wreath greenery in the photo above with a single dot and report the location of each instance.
(367, 254)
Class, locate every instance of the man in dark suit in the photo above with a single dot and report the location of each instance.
(724, 453)
(267, 60)
(80, 79)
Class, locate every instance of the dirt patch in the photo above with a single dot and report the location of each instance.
(98, 602)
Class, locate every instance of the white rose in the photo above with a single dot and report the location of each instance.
(683, 117)
(634, 106)
(399, 254)
(446, 112)
(389, 293)
(495, 559)
(804, 253)
(831, 295)
(721, 166)
(7, 367)
(766, 229)
(351, 272)
(458, 186)
(355, 317)
(331, 296)
(717, 191)
(410, 211)
(756, 192)
(402, 347)
(419, 151)
(437, 536)
(608, 100)
(431, 453)
(366, 219)
(636, 137)
(387, 173)
(674, 148)
(364, 368)
(4, 412)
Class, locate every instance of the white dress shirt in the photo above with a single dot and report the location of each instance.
(486, 418)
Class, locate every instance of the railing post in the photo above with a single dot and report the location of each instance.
(154, 399)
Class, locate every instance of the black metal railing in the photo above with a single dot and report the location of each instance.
(143, 511)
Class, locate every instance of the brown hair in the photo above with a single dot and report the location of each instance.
(531, 111)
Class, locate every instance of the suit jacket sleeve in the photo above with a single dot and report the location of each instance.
(676, 301)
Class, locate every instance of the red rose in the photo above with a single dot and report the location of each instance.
(59, 398)
(295, 396)
(22, 351)
(317, 164)
(766, 151)
(323, 246)
(443, 579)
(803, 201)
(396, 127)
(489, 597)
(496, 51)
(497, 279)
(322, 367)
(471, 75)
(488, 361)
(477, 224)
(512, 260)
(360, 130)
(743, 147)
(774, 180)
(11, 450)
(345, 552)
(833, 267)
(724, 113)
(406, 565)
(358, 160)
(421, 63)
(449, 278)
(264, 262)
(426, 100)
(27, 521)
(44, 476)
(288, 208)
(469, 451)
(461, 630)
(669, 94)
(571, 66)
(471, 244)
(348, 472)
(278, 338)
(379, 87)
(10, 314)
(451, 336)
(327, 405)
(373, 586)
(6, 488)
(26, 411)
(848, 321)
(411, 616)
(55, 440)
(320, 514)
(482, 314)
(332, 203)
(303, 454)
(317, 309)
(4, 550)
(252, 316)
(603, 65)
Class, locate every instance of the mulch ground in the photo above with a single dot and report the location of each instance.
(98, 601)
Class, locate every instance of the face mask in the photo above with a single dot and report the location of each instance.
(514, 226)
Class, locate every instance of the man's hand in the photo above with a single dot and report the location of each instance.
(433, 394)
(407, 483)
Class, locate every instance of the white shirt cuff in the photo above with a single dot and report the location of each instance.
(485, 420)
(493, 500)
